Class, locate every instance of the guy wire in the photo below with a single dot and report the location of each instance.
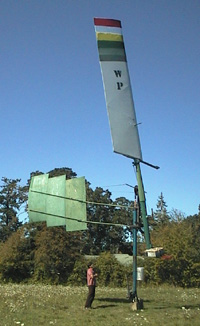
(83, 201)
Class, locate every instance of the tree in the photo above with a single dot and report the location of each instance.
(16, 256)
(161, 215)
(12, 197)
(55, 173)
(99, 211)
(102, 212)
(61, 171)
(55, 254)
(123, 235)
(180, 239)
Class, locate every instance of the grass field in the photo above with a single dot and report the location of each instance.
(35, 305)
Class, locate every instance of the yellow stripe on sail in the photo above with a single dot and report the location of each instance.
(109, 37)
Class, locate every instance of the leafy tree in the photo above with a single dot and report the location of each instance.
(12, 197)
(99, 211)
(180, 239)
(16, 257)
(55, 254)
(55, 173)
(102, 209)
(61, 171)
(123, 235)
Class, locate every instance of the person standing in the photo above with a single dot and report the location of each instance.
(91, 283)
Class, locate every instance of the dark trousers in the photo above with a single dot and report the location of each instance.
(90, 297)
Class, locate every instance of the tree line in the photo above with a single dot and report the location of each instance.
(31, 252)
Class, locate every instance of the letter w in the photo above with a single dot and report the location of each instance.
(118, 73)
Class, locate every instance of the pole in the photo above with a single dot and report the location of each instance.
(142, 202)
(134, 255)
(137, 303)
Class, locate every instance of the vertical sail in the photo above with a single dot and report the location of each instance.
(117, 88)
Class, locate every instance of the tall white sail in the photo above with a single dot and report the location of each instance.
(117, 88)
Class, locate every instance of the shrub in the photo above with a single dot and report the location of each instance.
(16, 258)
(110, 272)
(79, 273)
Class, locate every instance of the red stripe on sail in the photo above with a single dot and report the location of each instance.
(107, 22)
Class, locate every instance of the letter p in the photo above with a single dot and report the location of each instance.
(119, 85)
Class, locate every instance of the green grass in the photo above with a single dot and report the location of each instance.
(32, 305)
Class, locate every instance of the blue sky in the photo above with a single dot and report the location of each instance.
(52, 105)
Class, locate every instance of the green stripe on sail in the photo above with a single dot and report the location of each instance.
(110, 44)
(107, 57)
(111, 51)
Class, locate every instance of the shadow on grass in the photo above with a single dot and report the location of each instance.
(105, 306)
(192, 306)
(152, 304)
(115, 300)
(159, 306)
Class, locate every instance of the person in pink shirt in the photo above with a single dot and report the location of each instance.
(91, 283)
